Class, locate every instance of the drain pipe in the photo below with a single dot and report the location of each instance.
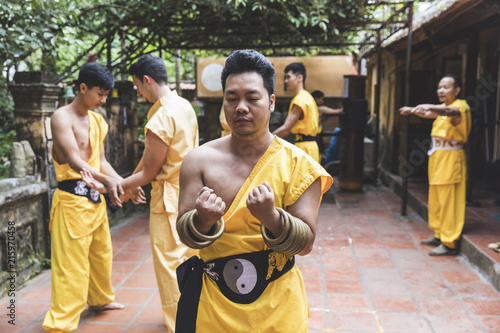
(404, 194)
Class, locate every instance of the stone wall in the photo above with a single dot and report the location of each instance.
(24, 233)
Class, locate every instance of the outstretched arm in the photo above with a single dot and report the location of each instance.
(325, 111)
(432, 111)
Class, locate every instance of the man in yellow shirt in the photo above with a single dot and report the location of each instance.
(81, 251)
(171, 132)
(302, 119)
(261, 186)
(447, 168)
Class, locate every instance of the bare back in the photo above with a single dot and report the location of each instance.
(71, 134)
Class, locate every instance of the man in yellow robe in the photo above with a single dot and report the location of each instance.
(257, 183)
(171, 132)
(81, 252)
(302, 119)
(447, 168)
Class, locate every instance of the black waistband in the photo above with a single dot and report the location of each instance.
(258, 268)
(304, 138)
(78, 187)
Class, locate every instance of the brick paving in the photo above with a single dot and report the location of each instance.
(367, 273)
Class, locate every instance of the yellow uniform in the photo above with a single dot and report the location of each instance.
(447, 176)
(282, 307)
(308, 125)
(81, 244)
(173, 120)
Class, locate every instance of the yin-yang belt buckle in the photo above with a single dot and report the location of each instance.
(242, 278)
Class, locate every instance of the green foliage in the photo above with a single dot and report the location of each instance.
(36, 258)
(59, 35)
(6, 108)
(142, 113)
(6, 140)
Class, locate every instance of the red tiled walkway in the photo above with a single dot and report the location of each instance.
(367, 273)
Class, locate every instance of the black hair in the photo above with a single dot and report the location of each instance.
(457, 80)
(317, 94)
(151, 66)
(95, 75)
(243, 61)
(297, 68)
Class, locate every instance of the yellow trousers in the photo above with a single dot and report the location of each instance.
(81, 274)
(447, 211)
(311, 148)
(167, 256)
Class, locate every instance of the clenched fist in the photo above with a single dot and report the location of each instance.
(210, 209)
(260, 203)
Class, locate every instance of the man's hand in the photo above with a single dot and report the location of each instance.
(114, 189)
(260, 203)
(91, 182)
(405, 110)
(137, 195)
(421, 109)
(124, 197)
(210, 208)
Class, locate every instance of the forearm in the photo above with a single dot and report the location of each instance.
(310, 242)
(273, 222)
(296, 237)
(78, 164)
(444, 110)
(136, 180)
(202, 226)
(139, 166)
(327, 111)
(107, 169)
(282, 132)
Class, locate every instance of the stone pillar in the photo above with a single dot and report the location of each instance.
(25, 202)
(35, 99)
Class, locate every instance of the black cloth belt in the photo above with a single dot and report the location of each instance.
(304, 138)
(78, 187)
(241, 278)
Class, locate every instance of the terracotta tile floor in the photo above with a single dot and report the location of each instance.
(367, 273)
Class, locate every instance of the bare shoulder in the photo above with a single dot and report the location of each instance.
(61, 117)
(208, 153)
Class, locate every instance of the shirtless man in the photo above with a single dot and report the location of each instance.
(80, 240)
(262, 186)
(323, 110)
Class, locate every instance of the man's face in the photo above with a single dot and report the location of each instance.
(142, 87)
(292, 81)
(446, 91)
(95, 97)
(247, 105)
(320, 101)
